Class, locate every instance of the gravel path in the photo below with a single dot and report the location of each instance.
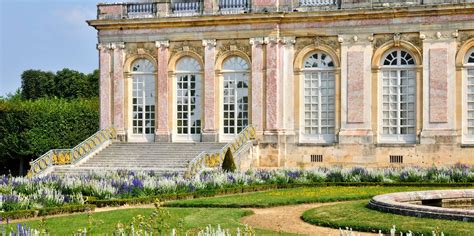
(287, 219)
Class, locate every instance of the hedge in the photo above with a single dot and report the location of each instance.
(29, 129)
(66, 209)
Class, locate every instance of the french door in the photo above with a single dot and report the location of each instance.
(188, 107)
(143, 108)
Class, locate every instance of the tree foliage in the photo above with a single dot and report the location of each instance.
(28, 129)
(65, 83)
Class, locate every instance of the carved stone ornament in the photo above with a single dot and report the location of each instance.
(332, 42)
(234, 45)
(187, 46)
(413, 38)
(464, 36)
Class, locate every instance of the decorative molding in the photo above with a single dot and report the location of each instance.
(256, 41)
(415, 39)
(137, 49)
(187, 46)
(233, 45)
(331, 42)
(209, 42)
(163, 43)
(463, 37)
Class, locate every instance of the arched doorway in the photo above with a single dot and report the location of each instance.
(143, 101)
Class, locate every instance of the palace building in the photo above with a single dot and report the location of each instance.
(349, 82)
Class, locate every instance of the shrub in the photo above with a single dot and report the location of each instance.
(229, 163)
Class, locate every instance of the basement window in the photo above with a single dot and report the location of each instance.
(396, 159)
(316, 158)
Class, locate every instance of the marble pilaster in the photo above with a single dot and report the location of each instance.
(257, 83)
(105, 85)
(209, 130)
(439, 87)
(356, 86)
(162, 125)
(273, 113)
(118, 88)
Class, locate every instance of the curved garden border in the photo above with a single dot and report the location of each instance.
(402, 204)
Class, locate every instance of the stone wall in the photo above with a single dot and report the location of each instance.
(275, 47)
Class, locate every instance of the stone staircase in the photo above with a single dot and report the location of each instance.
(158, 157)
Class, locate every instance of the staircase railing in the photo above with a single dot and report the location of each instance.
(56, 157)
(213, 159)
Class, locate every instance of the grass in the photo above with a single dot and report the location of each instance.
(189, 220)
(358, 217)
(294, 196)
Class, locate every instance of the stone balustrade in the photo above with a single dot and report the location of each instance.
(307, 3)
(186, 8)
(164, 8)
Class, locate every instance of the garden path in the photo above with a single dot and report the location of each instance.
(287, 219)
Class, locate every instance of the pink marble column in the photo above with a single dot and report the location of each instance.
(210, 6)
(162, 130)
(105, 86)
(118, 88)
(257, 83)
(209, 130)
(272, 85)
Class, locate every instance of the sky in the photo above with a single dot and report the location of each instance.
(45, 34)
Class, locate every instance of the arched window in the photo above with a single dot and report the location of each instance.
(235, 110)
(318, 94)
(143, 100)
(398, 96)
(188, 99)
(469, 95)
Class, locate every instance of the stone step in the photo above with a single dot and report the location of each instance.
(157, 157)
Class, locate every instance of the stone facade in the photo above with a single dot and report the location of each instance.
(351, 45)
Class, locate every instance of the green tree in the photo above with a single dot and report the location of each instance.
(36, 84)
(71, 84)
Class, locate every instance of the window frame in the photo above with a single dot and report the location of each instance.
(320, 138)
(467, 66)
(396, 138)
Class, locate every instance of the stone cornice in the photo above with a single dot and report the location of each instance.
(291, 17)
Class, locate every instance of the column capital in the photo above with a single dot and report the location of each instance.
(104, 46)
(256, 41)
(288, 41)
(117, 45)
(209, 42)
(162, 44)
(271, 40)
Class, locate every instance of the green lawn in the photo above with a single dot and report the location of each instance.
(358, 217)
(191, 219)
(293, 196)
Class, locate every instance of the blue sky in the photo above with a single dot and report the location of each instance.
(47, 35)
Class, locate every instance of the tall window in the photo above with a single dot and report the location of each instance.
(188, 99)
(318, 96)
(398, 93)
(469, 97)
(143, 99)
(235, 95)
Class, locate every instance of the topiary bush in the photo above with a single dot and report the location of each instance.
(229, 164)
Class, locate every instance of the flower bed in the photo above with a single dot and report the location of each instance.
(20, 193)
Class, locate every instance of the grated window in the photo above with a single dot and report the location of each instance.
(396, 159)
(316, 158)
